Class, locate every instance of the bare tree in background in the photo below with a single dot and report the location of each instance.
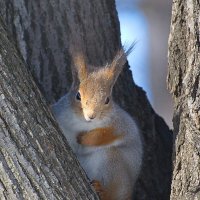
(184, 84)
(43, 31)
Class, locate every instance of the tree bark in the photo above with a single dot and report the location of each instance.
(44, 31)
(183, 83)
(36, 162)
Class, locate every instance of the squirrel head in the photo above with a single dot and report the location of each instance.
(93, 93)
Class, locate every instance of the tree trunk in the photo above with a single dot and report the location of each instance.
(44, 31)
(36, 162)
(183, 82)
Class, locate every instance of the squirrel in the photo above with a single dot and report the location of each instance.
(104, 137)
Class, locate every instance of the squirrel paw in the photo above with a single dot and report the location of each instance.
(97, 186)
(99, 189)
(79, 138)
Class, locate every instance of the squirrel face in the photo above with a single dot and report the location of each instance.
(94, 95)
(94, 85)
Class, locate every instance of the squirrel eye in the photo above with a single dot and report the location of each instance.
(107, 100)
(78, 96)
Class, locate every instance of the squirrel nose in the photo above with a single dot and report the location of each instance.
(91, 116)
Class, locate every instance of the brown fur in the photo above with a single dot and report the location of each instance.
(106, 193)
(98, 137)
(79, 62)
(100, 190)
(93, 98)
(95, 86)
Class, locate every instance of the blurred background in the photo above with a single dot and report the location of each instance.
(148, 23)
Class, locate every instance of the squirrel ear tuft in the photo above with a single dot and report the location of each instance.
(79, 69)
(119, 61)
(80, 66)
(77, 52)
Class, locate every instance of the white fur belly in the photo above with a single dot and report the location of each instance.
(94, 164)
(91, 159)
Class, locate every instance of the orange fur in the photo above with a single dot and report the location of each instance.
(98, 137)
(100, 190)
(106, 193)
(80, 64)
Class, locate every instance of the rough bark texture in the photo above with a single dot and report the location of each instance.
(35, 160)
(183, 82)
(44, 30)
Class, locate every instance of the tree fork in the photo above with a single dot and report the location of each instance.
(45, 29)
